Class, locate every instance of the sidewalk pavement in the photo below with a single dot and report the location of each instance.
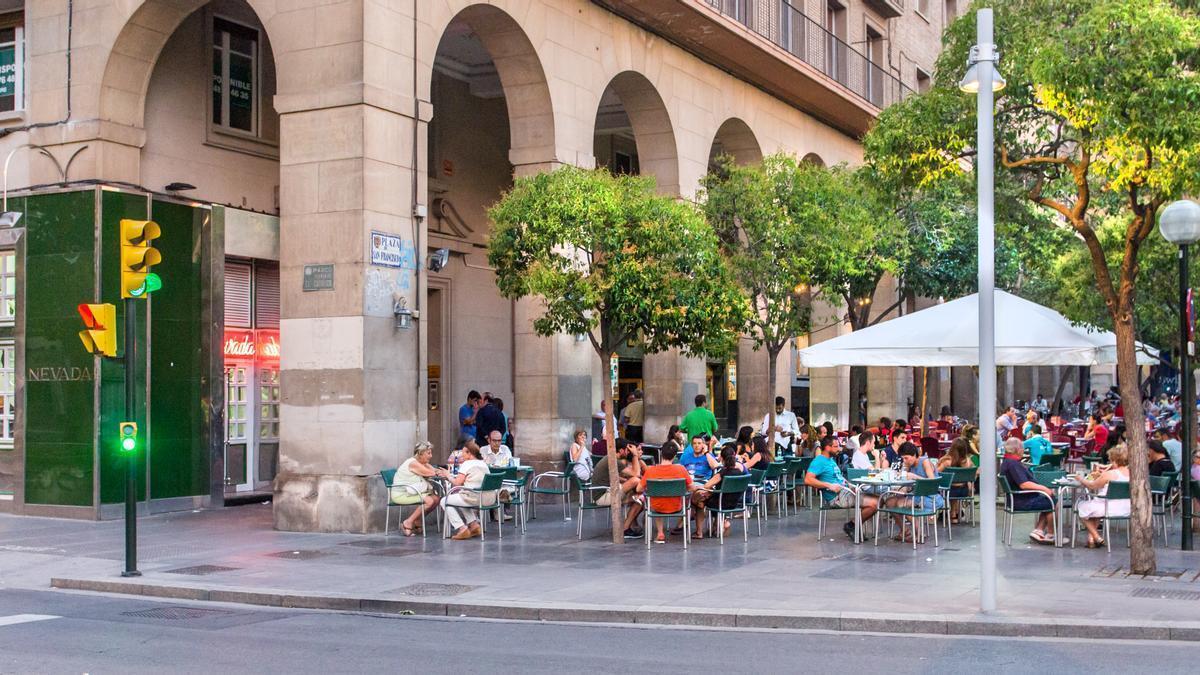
(784, 579)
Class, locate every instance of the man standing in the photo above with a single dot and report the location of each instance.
(1005, 423)
(466, 415)
(634, 417)
(787, 427)
(489, 419)
(700, 420)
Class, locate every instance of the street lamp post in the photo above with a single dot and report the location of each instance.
(1180, 225)
(982, 80)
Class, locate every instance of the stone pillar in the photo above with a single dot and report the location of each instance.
(672, 382)
(829, 388)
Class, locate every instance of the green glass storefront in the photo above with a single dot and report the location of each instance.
(69, 403)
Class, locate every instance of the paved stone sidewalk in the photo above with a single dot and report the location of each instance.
(234, 554)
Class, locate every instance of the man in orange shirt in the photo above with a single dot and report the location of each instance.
(665, 470)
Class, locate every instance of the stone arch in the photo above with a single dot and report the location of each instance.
(137, 47)
(813, 158)
(522, 78)
(653, 132)
(734, 138)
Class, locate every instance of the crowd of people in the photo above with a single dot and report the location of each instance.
(692, 451)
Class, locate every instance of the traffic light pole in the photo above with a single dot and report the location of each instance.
(129, 360)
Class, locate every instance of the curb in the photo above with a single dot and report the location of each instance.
(849, 622)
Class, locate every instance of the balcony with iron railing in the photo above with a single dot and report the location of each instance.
(792, 56)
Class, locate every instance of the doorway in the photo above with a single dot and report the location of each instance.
(439, 435)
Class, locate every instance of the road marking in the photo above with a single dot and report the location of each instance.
(25, 618)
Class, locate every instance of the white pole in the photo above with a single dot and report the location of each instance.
(987, 310)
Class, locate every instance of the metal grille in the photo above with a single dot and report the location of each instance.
(266, 296)
(176, 613)
(200, 570)
(299, 555)
(425, 590)
(1165, 594)
(237, 294)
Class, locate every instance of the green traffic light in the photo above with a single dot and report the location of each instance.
(128, 431)
(151, 283)
(127, 444)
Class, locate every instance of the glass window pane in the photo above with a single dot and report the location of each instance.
(217, 117)
(241, 92)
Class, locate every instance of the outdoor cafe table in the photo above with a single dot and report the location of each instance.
(877, 482)
(1062, 486)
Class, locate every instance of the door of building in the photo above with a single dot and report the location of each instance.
(239, 448)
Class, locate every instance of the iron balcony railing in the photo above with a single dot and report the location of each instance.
(788, 27)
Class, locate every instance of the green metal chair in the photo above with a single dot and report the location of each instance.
(553, 483)
(1160, 493)
(754, 498)
(792, 477)
(488, 494)
(388, 476)
(1116, 490)
(675, 487)
(1010, 511)
(774, 474)
(515, 479)
(962, 477)
(1091, 459)
(588, 496)
(1054, 460)
(823, 510)
(732, 485)
(1047, 477)
(923, 487)
(851, 474)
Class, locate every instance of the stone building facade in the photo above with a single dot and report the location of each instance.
(344, 140)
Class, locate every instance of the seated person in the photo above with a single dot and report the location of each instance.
(761, 456)
(666, 469)
(580, 456)
(698, 459)
(496, 454)
(864, 452)
(1036, 445)
(409, 487)
(730, 466)
(889, 457)
(630, 468)
(470, 475)
(1160, 460)
(824, 475)
(1092, 511)
(1021, 478)
(920, 468)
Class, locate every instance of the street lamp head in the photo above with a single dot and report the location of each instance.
(970, 81)
(1180, 222)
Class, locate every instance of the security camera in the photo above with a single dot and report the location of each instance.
(438, 260)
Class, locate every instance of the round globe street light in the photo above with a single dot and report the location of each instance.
(1179, 224)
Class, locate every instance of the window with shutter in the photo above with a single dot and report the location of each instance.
(237, 294)
(266, 296)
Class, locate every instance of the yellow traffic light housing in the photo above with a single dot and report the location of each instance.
(137, 257)
(101, 334)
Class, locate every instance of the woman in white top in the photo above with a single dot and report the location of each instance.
(581, 456)
(1092, 511)
(470, 475)
(409, 486)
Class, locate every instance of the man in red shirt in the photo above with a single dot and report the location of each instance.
(666, 469)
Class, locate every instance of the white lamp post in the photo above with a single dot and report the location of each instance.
(982, 81)
(1180, 225)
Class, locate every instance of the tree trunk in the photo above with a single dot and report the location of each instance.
(772, 359)
(858, 387)
(614, 473)
(924, 396)
(1141, 553)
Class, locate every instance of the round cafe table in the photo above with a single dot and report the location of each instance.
(879, 482)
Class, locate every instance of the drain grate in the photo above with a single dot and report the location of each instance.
(425, 590)
(1165, 594)
(201, 570)
(177, 613)
(392, 552)
(308, 554)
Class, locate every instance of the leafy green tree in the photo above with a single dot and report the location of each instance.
(768, 246)
(1100, 119)
(610, 259)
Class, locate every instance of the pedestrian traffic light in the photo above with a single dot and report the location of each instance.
(128, 436)
(100, 337)
(137, 257)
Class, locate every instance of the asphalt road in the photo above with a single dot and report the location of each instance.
(101, 634)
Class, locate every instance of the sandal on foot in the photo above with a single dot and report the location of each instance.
(406, 529)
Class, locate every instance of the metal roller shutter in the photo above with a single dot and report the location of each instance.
(237, 294)
(266, 296)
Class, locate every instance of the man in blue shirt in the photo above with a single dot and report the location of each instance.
(825, 475)
(1037, 446)
(466, 415)
(698, 459)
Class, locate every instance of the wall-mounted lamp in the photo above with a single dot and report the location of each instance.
(580, 337)
(438, 259)
(404, 315)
